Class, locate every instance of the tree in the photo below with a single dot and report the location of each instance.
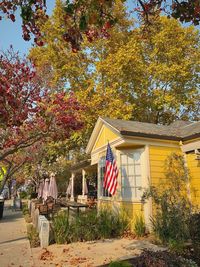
(148, 76)
(45, 157)
(158, 71)
(30, 112)
(78, 71)
(93, 18)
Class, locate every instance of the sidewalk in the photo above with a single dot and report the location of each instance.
(14, 245)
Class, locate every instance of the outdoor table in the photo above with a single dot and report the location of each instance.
(73, 204)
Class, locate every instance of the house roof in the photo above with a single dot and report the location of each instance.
(178, 130)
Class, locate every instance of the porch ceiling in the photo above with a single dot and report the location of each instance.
(86, 165)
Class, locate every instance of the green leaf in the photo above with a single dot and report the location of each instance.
(83, 23)
(26, 13)
(69, 9)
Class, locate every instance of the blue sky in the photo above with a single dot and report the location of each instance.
(11, 33)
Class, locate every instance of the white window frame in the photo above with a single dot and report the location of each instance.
(125, 152)
(100, 181)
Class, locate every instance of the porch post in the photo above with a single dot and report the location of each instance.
(83, 182)
(72, 192)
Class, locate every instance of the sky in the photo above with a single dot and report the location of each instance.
(11, 33)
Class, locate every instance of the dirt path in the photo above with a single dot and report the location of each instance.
(89, 254)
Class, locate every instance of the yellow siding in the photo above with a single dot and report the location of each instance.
(194, 168)
(157, 157)
(105, 135)
(130, 209)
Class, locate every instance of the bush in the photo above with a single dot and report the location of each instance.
(194, 228)
(23, 194)
(61, 227)
(172, 217)
(139, 226)
(111, 224)
(25, 209)
(27, 218)
(120, 264)
(85, 227)
(88, 226)
(161, 259)
(176, 246)
(170, 212)
(33, 236)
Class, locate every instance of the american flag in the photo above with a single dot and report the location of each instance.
(111, 172)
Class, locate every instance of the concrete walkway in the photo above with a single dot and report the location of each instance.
(14, 245)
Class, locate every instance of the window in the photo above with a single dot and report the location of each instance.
(131, 175)
(103, 192)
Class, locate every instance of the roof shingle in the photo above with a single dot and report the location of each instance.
(178, 130)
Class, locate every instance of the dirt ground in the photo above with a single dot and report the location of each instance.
(89, 254)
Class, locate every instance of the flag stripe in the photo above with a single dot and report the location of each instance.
(111, 172)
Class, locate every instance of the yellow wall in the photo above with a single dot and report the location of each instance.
(104, 136)
(194, 169)
(130, 209)
(157, 157)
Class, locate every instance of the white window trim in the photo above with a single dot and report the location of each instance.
(100, 197)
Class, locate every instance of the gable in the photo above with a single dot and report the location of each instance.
(105, 135)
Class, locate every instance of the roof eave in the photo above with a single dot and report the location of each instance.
(190, 137)
(154, 136)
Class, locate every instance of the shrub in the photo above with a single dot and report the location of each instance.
(27, 218)
(33, 236)
(25, 209)
(23, 194)
(120, 264)
(161, 259)
(61, 227)
(168, 213)
(139, 226)
(111, 224)
(194, 228)
(171, 219)
(88, 226)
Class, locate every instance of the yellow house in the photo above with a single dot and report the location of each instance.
(140, 150)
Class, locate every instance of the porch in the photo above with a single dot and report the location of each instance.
(82, 186)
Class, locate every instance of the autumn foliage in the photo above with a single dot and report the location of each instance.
(30, 112)
(93, 18)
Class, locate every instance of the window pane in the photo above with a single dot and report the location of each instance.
(137, 170)
(128, 181)
(124, 159)
(124, 171)
(130, 159)
(138, 181)
(131, 170)
(138, 192)
(128, 192)
(131, 175)
(137, 157)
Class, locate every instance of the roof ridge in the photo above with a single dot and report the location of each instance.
(141, 122)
